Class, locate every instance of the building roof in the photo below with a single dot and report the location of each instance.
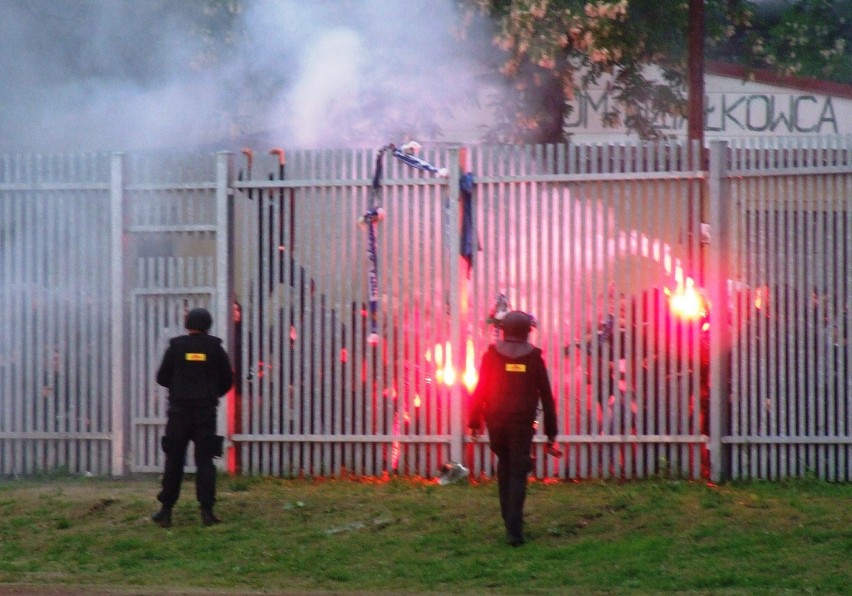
(768, 77)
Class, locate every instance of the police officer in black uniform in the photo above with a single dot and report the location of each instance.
(512, 381)
(197, 372)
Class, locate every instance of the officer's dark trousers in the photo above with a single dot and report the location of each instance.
(511, 443)
(185, 424)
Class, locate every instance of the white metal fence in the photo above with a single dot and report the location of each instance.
(790, 215)
(101, 254)
(55, 278)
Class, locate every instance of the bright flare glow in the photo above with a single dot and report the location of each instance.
(445, 372)
(687, 303)
(449, 371)
(470, 376)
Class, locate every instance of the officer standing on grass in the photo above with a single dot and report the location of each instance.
(512, 381)
(197, 372)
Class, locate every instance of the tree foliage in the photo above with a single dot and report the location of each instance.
(809, 38)
(552, 49)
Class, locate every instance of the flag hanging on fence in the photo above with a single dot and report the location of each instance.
(407, 153)
(469, 243)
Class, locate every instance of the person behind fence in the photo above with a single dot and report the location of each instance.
(197, 372)
(513, 380)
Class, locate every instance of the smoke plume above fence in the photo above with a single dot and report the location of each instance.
(124, 75)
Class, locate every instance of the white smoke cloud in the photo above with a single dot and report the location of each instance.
(327, 83)
(117, 75)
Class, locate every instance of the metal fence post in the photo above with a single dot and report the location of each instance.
(456, 341)
(119, 395)
(224, 297)
(720, 345)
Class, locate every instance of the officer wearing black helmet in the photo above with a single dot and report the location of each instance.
(512, 381)
(197, 372)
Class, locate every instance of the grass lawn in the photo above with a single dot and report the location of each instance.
(87, 535)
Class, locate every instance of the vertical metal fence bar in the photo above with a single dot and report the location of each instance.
(778, 307)
(825, 296)
(84, 401)
(7, 356)
(761, 207)
(268, 316)
(218, 212)
(580, 399)
(845, 331)
(101, 332)
(39, 202)
(117, 310)
(49, 309)
(719, 271)
(585, 259)
(798, 411)
(750, 364)
(811, 279)
(27, 265)
(89, 268)
(626, 196)
(254, 370)
(772, 406)
(571, 393)
(423, 373)
(737, 323)
(437, 337)
(617, 159)
(276, 318)
(341, 270)
(19, 465)
(360, 371)
(327, 365)
(834, 254)
(285, 269)
(788, 308)
(243, 226)
(350, 375)
(310, 329)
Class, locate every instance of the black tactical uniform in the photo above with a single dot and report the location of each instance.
(512, 381)
(197, 372)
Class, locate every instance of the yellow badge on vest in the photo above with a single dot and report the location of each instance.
(194, 357)
(516, 367)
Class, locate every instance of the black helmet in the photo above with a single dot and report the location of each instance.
(516, 325)
(198, 319)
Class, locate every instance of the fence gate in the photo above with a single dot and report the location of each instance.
(173, 224)
(590, 240)
(315, 396)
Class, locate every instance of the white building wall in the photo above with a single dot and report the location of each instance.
(733, 109)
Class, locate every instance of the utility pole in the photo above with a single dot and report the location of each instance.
(695, 130)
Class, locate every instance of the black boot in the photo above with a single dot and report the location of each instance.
(515, 539)
(163, 517)
(208, 518)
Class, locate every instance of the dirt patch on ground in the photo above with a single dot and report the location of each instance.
(64, 590)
